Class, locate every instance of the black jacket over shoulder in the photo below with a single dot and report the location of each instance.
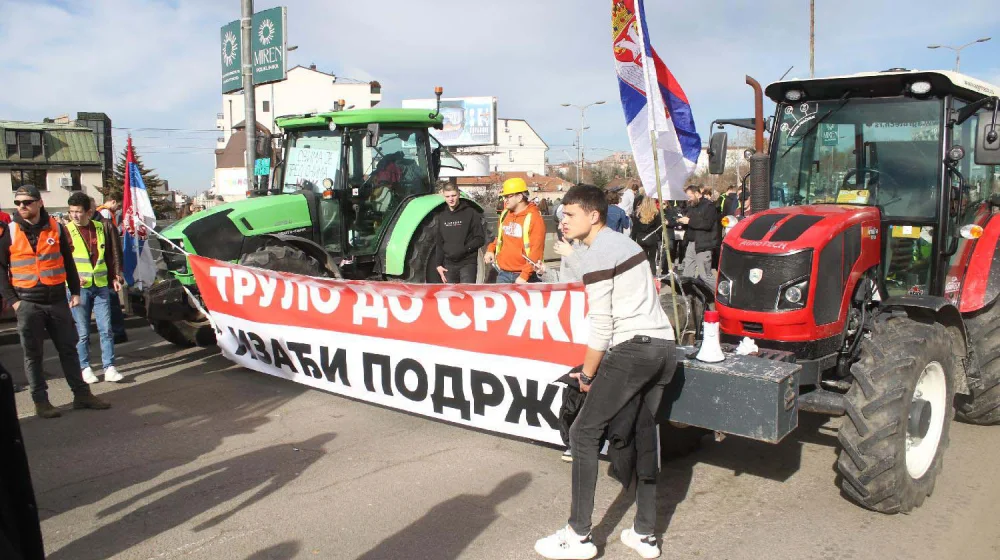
(647, 235)
(631, 434)
(705, 227)
(460, 234)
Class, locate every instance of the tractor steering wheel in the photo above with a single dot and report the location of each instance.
(877, 177)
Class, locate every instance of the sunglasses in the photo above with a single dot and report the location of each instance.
(25, 202)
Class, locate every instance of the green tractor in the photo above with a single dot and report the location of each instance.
(352, 196)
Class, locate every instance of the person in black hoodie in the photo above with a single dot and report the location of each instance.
(460, 235)
(703, 234)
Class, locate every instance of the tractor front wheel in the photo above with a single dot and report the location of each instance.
(899, 409)
(185, 333)
(283, 258)
(983, 405)
(420, 267)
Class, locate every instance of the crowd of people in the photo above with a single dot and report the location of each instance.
(694, 231)
(57, 274)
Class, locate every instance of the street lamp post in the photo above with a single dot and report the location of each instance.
(579, 134)
(958, 50)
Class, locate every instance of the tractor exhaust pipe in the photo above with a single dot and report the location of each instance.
(760, 164)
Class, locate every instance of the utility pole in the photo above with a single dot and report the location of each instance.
(246, 30)
(812, 38)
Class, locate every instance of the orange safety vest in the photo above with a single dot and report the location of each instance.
(28, 267)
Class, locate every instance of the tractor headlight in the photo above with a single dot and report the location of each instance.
(794, 296)
(725, 288)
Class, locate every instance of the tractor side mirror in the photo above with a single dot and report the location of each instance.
(769, 125)
(717, 153)
(988, 139)
(371, 139)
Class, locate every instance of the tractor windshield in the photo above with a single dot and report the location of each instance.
(313, 156)
(859, 151)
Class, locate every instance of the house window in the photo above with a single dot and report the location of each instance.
(510, 155)
(26, 144)
(520, 140)
(267, 106)
(20, 177)
(76, 183)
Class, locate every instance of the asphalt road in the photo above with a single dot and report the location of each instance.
(199, 459)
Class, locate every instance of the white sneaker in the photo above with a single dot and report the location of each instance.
(111, 374)
(645, 545)
(568, 455)
(89, 377)
(566, 544)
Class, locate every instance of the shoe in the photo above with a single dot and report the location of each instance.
(89, 377)
(89, 401)
(566, 544)
(645, 545)
(120, 338)
(111, 374)
(568, 455)
(45, 409)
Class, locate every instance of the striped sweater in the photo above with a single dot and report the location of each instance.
(621, 295)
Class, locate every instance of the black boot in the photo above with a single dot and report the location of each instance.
(88, 400)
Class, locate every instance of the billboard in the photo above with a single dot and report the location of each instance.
(468, 121)
(267, 49)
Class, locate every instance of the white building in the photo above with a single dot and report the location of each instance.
(519, 149)
(305, 90)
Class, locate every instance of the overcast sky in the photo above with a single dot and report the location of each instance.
(155, 64)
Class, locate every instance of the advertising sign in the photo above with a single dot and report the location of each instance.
(468, 121)
(473, 355)
(267, 49)
(830, 134)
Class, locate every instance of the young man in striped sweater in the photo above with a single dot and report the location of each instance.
(630, 351)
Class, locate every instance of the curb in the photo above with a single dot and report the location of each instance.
(10, 336)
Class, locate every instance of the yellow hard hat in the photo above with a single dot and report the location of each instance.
(514, 186)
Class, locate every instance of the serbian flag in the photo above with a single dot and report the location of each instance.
(137, 219)
(653, 101)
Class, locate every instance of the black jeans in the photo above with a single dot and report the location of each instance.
(461, 273)
(33, 321)
(641, 365)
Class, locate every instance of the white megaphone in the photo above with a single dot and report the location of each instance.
(711, 349)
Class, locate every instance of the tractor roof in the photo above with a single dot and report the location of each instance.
(889, 83)
(362, 117)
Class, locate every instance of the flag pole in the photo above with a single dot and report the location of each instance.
(646, 61)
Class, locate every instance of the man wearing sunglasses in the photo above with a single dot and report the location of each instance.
(36, 267)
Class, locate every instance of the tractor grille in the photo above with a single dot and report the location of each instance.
(776, 272)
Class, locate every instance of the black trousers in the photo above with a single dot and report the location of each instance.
(461, 273)
(34, 320)
(642, 365)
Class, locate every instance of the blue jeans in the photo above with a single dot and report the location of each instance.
(507, 277)
(97, 301)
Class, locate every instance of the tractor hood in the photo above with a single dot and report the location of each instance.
(790, 229)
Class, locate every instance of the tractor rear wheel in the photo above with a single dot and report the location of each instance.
(420, 267)
(983, 405)
(283, 258)
(899, 410)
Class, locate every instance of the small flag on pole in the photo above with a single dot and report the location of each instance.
(137, 219)
(653, 102)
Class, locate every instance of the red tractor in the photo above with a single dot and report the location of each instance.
(871, 255)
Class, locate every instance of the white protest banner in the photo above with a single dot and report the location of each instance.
(483, 356)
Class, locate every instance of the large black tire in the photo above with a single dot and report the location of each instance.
(185, 333)
(420, 267)
(983, 406)
(884, 464)
(283, 258)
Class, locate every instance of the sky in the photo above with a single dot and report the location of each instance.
(154, 65)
